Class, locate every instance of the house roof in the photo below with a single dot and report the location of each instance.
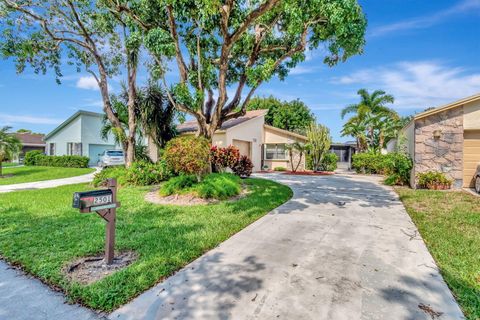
(192, 126)
(448, 106)
(69, 120)
(31, 139)
(290, 133)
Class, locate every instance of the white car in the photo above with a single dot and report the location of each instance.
(111, 158)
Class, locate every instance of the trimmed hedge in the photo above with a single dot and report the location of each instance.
(329, 162)
(38, 158)
(396, 166)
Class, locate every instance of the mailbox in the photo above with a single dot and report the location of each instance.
(104, 203)
(89, 199)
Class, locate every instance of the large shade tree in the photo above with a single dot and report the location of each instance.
(222, 46)
(292, 116)
(53, 34)
(9, 145)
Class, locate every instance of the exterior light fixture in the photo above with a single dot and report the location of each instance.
(437, 134)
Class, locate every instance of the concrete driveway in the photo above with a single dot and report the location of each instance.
(342, 248)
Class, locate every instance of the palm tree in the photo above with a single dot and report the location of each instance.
(372, 110)
(300, 149)
(355, 127)
(9, 145)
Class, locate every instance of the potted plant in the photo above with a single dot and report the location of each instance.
(434, 180)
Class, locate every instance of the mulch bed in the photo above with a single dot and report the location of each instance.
(91, 269)
(188, 199)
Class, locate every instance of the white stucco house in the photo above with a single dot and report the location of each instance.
(263, 144)
(80, 135)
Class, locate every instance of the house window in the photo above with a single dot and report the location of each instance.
(74, 149)
(275, 152)
(51, 149)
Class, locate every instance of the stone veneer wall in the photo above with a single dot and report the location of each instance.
(444, 154)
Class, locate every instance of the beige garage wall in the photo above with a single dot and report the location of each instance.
(471, 156)
(471, 115)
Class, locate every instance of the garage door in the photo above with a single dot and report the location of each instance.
(243, 147)
(95, 149)
(471, 156)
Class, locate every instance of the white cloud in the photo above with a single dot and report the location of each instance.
(299, 70)
(427, 21)
(9, 119)
(417, 85)
(88, 83)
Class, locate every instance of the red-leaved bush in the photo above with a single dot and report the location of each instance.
(222, 158)
(188, 154)
(244, 167)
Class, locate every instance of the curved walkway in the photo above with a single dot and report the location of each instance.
(48, 183)
(342, 248)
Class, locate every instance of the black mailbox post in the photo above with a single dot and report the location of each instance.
(104, 203)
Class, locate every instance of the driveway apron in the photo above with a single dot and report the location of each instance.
(342, 248)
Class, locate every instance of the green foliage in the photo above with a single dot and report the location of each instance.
(9, 145)
(222, 158)
(292, 116)
(329, 162)
(433, 180)
(396, 166)
(140, 173)
(214, 185)
(240, 46)
(188, 154)
(37, 158)
(319, 141)
(279, 169)
(373, 124)
(244, 167)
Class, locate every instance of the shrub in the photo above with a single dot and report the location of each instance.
(140, 173)
(433, 180)
(219, 186)
(178, 184)
(244, 167)
(214, 185)
(397, 167)
(279, 169)
(329, 162)
(368, 162)
(188, 155)
(222, 158)
(31, 157)
(37, 158)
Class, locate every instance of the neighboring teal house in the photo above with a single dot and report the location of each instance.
(80, 135)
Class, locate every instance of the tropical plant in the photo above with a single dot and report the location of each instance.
(9, 145)
(188, 155)
(319, 141)
(298, 149)
(222, 158)
(292, 116)
(434, 180)
(329, 162)
(372, 120)
(244, 167)
(238, 45)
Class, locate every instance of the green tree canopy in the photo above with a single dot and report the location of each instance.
(292, 116)
(240, 45)
(9, 145)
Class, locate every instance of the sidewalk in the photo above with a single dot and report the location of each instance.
(22, 297)
(48, 183)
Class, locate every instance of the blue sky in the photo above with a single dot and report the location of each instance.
(425, 53)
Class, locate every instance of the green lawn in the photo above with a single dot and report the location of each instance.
(42, 233)
(34, 173)
(9, 164)
(449, 222)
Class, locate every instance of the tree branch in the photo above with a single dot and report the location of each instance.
(178, 52)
